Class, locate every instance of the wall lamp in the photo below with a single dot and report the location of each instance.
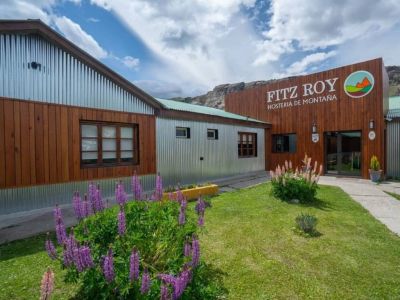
(371, 124)
(314, 128)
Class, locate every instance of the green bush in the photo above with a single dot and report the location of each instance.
(307, 223)
(294, 188)
(375, 165)
(152, 228)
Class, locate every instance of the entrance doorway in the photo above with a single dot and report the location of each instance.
(343, 153)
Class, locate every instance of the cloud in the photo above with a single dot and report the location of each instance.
(131, 62)
(11, 9)
(160, 88)
(78, 36)
(93, 20)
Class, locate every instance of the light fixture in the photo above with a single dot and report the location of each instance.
(371, 124)
(314, 128)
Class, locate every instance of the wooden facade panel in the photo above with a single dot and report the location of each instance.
(42, 143)
(343, 114)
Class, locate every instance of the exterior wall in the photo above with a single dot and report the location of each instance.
(342, 114)
(393, 148)
(61, 79)
(178, 160)
(40, 143)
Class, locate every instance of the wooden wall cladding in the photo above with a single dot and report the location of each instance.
(39, 143)
(343, 114)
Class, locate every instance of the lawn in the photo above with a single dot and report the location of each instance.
(249, 236)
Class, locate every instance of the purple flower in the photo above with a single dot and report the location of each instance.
(195, 251)
(108, 266)
(158, 194)
(69, 247)
(57, 212)
(178, 283)
(164, 292)
(92, 196)
(187, 250)
(86, 257)
(77, 205)
(99, 200)
(51, 250)
(200, 206)
(145, 282)
(120, 195)
(60, 228)
(182, 217)
(77, 258)
(200, 221)
(136, 187)
(134, 265)
(121, 222)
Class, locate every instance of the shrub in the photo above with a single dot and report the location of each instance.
(300, 184)
(307, 223)
(375, 165)
(137, 250)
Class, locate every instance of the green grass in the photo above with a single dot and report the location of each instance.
(394, 195)
(250, 237)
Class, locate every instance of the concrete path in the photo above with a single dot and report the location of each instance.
(372, 197)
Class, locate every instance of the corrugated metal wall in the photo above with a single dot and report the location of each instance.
(393, 148)
(36, 197)
(178, 160)
(61, 79)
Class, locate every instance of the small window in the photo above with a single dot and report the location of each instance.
(284, 143)
(212, 134)
(183, 132)
(105, 144)
(247, 144)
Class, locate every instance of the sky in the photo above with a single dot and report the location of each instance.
(178, 48)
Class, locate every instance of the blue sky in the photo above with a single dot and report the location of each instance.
(183, 48)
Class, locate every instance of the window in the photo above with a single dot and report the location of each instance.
(212, 134)
(183, 132)
(247, 144)
(284, 143)
(105, 144)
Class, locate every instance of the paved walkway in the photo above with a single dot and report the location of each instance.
(372, 197)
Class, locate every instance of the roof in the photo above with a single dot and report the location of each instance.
(394, 102)
(205, 110)
(40, 28)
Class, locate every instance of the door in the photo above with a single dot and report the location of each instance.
(343, 153)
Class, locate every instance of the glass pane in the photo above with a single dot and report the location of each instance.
(109, 132)
(89, 130)
(107, 155)
(292, 143)
(89, 156)
(127, 132)
(89, 144)
(109, 145)
(250, 137)
(244, 137)
(126, 154)
(210, 134)
(126, 145)
(181, 132)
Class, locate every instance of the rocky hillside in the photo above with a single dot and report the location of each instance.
(216, 97)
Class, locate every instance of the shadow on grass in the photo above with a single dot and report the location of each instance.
(312, 234)
(316, 203)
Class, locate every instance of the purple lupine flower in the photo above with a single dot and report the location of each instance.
(167, 278)
(51, 250)
(69, 247)
(77, 205)
(195, 251)
(182, 217)
(187, 249)
(78, 258)
(164, 292)
(159, 188)
(136, 187)
(60, 228)
(121, 221)
(200, 221)
(57, 213)
(99, 199)
(108, 266)
(92, 196)
(145, 282)
(120, 195)
(85, 207)
(200, 205)
(134, 265)
(86, 257)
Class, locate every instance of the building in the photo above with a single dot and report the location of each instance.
(393, 138)
(66, 120)
(337, 117)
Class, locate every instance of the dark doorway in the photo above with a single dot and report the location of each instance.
(343, 153)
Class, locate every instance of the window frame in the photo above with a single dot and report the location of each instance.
(187, 132)
(282, 135)
(215, 134)
(240, 144)
(118, 139)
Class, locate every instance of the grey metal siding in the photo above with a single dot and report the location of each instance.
(28, 198)
(393, 148)
(61, 79)
(178, 160)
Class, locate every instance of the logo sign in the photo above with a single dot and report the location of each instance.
(371, 135)
(359, 84)
(315, 137)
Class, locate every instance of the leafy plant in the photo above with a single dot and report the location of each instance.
(139, 250)
(375, 165)
(300, 184)
(307, 223)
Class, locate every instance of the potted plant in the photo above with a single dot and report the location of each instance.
(375, 171)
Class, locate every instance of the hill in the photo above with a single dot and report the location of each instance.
(216, 97)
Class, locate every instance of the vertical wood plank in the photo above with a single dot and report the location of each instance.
(2, 147)
(32, 149)
(64, 144)
(9, 141)
(39, 140)
(52, 145)
(46, 144)
(25, 148)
